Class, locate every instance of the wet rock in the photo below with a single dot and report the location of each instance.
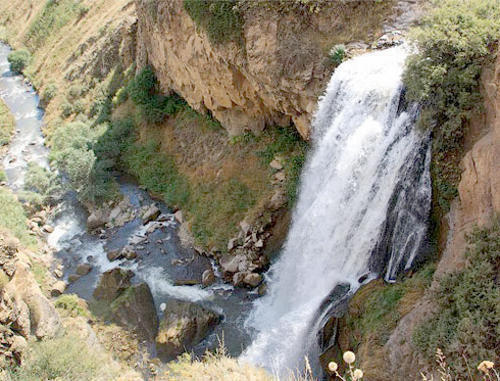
(135, 309)
(184, 325)
(113, 255)
(151, 229)
(186, 282)
(130, 255)
(73, 278)
(112, 283)
(207, 278)
(150, 214)
(262, 290)
(83, 269)
(57, 288)
(58, 273)
(48, 229)
(252, 279)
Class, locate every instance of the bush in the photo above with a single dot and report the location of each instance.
(54, 15)
(221, 19)
(153, 107)
(66, 109)
(466, 325)
(454, 42)
(63, 358)
(48, 94)
(72, 305)
(19, 60)
(337, 54)
(13, 218)
(44, 182)
(7, 124)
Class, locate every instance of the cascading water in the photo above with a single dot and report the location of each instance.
(362, 209)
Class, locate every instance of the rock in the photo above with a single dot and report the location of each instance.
(238, 279)
(152, 228)
(150, 214)
(130, 255)
(135, 309)
(114, 255)
(48, 229)
(230, 263)
(96, 220)
(186, 282)
(280, 176)
(184, 325)
(262, 290)
(278, 200)
(58, 273)
(83, 269)
(18, 346)
(73, 278)
(179, 217)
(245, 227)
(112, 283)
(252, 279)
(259, 244)
(233, 242)
(276, 164)
(58, 288)
(207, 278)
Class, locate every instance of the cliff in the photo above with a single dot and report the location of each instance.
(272, 75)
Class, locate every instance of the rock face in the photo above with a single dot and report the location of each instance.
(112, 284)
(274, 77)
(135, 309)
(184, 325)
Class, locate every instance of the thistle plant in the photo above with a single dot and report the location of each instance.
(351, 374)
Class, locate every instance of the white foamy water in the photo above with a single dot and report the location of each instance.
(366, 174)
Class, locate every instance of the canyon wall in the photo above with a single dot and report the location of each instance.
(272, 77)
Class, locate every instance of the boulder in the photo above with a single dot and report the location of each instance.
(83, 269)
(73, 278)
(238, 279)
(48, 228)
(278, 200)
(233, 242)
(276, 164)
(184, 325)
(179, 216)
(57, 288)
(96, 219)
(113, 255)
(252, 279)
(135, 310)
(150, 214)
(230, 263)
(112, 283)
(207, 278)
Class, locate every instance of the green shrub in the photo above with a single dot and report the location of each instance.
(7, 124)
(66, 109)
(13, 218)
(54, 15)
(153, 107)
(337, 54)
(19, 60)
(75, 92)
(466, 326)
(79, 107)
(72, 305)
(48, 94)
(454, 42)
(221, 19)
(287, 142)
(120, 97)
(44, 182)
(63, 358)
(158, 173)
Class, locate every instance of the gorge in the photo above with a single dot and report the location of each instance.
(239, 190)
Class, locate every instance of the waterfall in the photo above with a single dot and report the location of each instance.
(362, 210)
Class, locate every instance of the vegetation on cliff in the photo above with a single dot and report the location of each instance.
(455, 41)
(466, 325)
(6, 124)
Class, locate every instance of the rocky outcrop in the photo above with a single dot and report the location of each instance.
(273, 78)
(184, 325)
(112, 283)
(135, 309)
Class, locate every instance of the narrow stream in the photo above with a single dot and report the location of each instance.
(161, 259)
